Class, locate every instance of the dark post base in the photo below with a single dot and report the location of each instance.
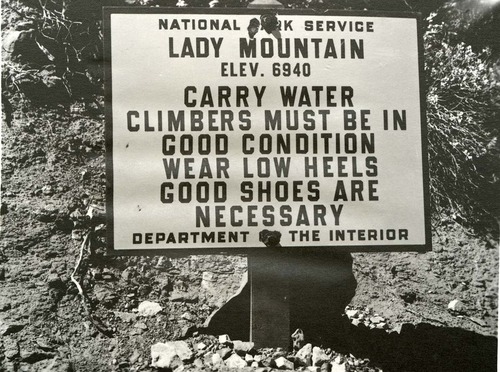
(289, 290)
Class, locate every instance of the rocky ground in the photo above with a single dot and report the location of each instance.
(66, 306)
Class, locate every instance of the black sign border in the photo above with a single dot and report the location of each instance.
(173, 252)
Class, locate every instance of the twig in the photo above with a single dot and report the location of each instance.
(475, 321)
(23, 15)
(78, 263)
(426, 318)
(96, 322)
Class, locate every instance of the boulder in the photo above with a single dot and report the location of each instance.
(11, 348)
(283, 363)
(335, 367)
(149, 308)
(170, 354)
(456, 306)
(242, 347)
(235, 361)
(304, 355)
(319, 356)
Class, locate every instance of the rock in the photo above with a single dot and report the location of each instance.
(95, 211)
(376, 319)
(105, 295)
(224, 339)
(207, 357)
(125, 317)
(176, 296)
(198, 364)
(128, 273)
(45, 344)
(304, 355)
(10, 328)
(319, 356)
(4, 304)
(134, 357)
(123, 365)
(136, 332)
(248, 358)
(479, 283)
(224, 353)
(352, 313)
(356, 322)
(187, 316)
(456, 306)
(170, 354)
(201, 346)
(242, 348)
(144, 290)
(77, 235)
(108, 277)
(141, 325)
(10, 366)
(47, 190)
(58, 365)
(76, 215)
(207, 279)
(148, 308)
(48, 213)
(335, 367)
(235, 361)
(216, 361)
(11, 348)
(163, 283)
(188, 331)
(163, 263)
(183, 350)
(298, 339)
(283, 363)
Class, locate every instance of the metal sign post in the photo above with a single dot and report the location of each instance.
(268, 276)
(269, 299)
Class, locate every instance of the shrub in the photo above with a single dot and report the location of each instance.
(65, 55)
(461, 106)
(55, 51)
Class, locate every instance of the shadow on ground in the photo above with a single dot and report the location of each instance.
(423, 347)
(317, 301)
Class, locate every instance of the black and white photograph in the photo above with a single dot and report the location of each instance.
(236, 185)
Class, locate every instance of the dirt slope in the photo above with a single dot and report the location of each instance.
(53, 180)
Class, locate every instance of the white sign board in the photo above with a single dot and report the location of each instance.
(218, 129)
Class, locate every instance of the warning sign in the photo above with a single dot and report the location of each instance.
(224, 124)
